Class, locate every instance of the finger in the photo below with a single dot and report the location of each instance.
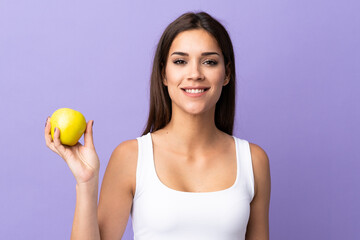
(47, 131)
(48, 138)
(57, 143)
(88, 136)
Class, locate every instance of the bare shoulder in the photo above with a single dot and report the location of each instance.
(127, 148)
(261, 166)
(258, 154)
(124, 161)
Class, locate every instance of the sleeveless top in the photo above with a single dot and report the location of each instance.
(162, 213)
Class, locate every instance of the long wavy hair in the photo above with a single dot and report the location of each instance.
(160, 102)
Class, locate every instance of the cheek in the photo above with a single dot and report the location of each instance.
(172, 73)
(219, 79)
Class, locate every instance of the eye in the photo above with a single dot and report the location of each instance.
(179, 61)
(210, 62)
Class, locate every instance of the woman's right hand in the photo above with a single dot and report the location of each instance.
(82, 160)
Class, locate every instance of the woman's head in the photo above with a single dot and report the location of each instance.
(160, 102)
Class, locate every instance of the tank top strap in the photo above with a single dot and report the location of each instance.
(143, 169)
(246, 173)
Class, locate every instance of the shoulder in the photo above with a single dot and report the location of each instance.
(258, 154)
(261, 167)
(123, 162)
(127, 148)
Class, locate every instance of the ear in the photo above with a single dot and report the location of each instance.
(228, 74)
(163, 76)
(226, 81)
(164, 80)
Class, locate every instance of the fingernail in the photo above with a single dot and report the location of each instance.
(55, 130)
(92, 123)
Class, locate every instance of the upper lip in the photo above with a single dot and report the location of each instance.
(200, 87)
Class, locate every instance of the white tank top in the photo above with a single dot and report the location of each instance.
(161, 213)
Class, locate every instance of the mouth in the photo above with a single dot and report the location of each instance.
(195, 90)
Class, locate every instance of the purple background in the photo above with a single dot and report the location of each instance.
(297, 97)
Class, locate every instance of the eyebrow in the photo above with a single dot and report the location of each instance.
(203, 54)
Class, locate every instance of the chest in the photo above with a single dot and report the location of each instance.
(212, 172)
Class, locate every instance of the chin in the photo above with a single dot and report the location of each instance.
(193, 109)
(197, 111)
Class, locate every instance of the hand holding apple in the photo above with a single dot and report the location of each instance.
(82, 160)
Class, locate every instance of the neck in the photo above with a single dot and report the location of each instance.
(192, 134)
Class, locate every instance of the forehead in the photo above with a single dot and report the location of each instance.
(194, 41)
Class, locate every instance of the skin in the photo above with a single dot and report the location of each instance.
(197, 149)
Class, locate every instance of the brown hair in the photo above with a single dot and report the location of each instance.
(160, 102)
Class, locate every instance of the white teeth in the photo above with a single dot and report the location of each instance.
(194, 90)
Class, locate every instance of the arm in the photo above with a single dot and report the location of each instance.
(117, 191)
(109, 218)
(85, 225)
(84, 163)
(258, 225)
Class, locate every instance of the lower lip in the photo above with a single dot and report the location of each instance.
(194, 94)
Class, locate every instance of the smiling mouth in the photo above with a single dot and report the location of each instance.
(195, 90)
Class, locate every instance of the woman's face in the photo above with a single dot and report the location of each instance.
(195, 60)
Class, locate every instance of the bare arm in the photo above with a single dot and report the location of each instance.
(84, 163)
(85, 224)
(258, 226)
(117, 191)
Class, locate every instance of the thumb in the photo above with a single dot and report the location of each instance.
(88, 135)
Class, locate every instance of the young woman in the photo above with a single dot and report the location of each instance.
(187, 176)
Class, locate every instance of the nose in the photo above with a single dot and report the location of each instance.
(195, 72)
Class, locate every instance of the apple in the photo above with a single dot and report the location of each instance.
(72, 125)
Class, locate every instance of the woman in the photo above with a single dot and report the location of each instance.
(186, 177)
